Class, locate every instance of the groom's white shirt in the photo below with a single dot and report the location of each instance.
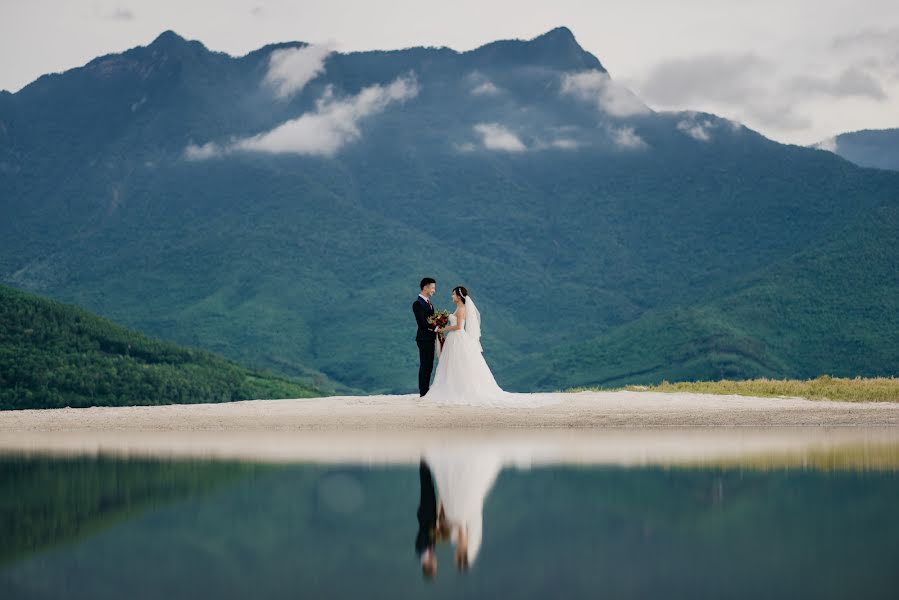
(428, 301)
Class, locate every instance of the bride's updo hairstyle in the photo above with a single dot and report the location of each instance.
(462, 292)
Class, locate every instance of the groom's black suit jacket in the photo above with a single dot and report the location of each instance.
(422, 311)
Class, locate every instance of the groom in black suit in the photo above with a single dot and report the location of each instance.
(422, 308)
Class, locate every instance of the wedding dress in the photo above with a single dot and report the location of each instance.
(463, 376)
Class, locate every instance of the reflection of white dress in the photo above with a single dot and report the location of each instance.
(463, 376)
(464, 478)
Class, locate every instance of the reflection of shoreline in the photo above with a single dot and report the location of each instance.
(818, 448)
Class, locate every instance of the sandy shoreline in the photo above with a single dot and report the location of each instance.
(610, 428)
(583, 410)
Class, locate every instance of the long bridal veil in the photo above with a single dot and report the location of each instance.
(473, 322)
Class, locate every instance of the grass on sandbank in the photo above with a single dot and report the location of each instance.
(824, 387)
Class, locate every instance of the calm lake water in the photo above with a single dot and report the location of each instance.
(823, 523)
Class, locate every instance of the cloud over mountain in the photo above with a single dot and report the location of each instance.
(480, 85)
(324, 131)
(626, 138)
(610, 97)
(497, 137)
(290, 69)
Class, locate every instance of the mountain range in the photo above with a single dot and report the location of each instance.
(280, 208)
(876, 148)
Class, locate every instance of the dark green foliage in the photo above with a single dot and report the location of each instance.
(830, 309)
(55, 355)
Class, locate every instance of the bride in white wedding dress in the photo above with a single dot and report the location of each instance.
(463, 376)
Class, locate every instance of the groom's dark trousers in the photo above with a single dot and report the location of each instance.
(426, 354)
(425, 337)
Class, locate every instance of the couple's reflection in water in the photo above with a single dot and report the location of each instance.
(455, 481)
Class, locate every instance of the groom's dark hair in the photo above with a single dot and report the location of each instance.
(426, 281)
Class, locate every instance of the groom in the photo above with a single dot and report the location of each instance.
(422, 309)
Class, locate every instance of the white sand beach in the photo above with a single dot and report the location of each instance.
(617, 428)
(407, 412)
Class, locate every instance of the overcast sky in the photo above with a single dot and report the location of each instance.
(799, 71)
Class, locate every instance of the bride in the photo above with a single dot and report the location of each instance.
(463, 376)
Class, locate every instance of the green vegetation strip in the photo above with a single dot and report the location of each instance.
(824, 387)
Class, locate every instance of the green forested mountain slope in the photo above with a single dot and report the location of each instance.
(830, 309)
(570, 210)
(55, 355)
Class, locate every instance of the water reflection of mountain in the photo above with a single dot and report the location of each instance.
(51, 501)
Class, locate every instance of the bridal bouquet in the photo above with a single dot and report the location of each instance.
(440, 318)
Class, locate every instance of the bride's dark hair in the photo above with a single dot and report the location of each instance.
(461, 291)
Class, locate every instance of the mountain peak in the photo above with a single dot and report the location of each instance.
(556, 48)
(168, 38)
(558, 35)
(169, 43)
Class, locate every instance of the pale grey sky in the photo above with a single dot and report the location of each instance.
(798, 71)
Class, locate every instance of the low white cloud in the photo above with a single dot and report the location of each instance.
(333, 124)
(696, 128)
(697, 131)
(626, 138)
(732, 124)
(207, 150)
(497, 137)
(479, 85)
(611, 98)
(830, 144)
(290, 69)
(565, 144)
(486, 88)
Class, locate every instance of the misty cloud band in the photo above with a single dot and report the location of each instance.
(322, 132)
